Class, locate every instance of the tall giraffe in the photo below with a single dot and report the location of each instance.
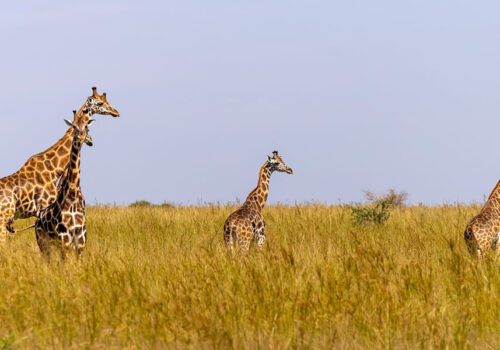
(247, 222)
(64, 219)
(483, 231)
(33, 187)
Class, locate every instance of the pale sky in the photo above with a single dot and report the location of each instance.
(354, 94)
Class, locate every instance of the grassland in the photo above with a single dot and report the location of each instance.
(161, 278)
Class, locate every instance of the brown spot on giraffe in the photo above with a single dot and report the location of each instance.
(483, 231)
(20, 198)
(247, 223)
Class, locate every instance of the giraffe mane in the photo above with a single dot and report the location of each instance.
(497, 186)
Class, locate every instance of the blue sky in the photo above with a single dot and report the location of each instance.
(354, 94)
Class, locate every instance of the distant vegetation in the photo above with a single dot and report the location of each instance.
(156, 277)
(143, 204)
(378, 209)
(395, 199)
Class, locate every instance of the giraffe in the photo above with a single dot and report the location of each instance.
(483, 231)
(247, 222)
(33, 187)
(64, 219)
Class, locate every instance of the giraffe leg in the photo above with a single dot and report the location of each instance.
(494, 242)
(260, 234)
(62, 250)
(260, 237)
(483, 244)
(3, 230)
(66, 240)
(6, 220)
(43, 241)
(244, 239)
(79, 239)
(229, 238)
(472, 247)
(471, 243)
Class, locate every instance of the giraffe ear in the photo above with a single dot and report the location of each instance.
(268, 158)
(91, 121)
(69, 123)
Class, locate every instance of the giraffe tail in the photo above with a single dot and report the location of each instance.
(11, 230)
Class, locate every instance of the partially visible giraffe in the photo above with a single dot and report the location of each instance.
(483, 231)
(33, 187)
(247, 222)
(88, 140)
(64, 219)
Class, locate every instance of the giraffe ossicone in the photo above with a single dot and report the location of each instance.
(247, 223)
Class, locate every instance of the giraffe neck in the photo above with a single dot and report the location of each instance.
(56, 158)
(258, 196)
(495, 194)
(85, 110)
(74, 163)
(70, 181)
(70, 184)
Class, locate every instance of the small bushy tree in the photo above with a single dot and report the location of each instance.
(378, 209)
(144, 204)
(140, 204)
(397, 200)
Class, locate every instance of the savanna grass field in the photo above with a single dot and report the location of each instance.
(160, 277)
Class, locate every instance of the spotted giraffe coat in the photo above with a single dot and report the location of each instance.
(247, 223)
(64, 220)
(483, 231)
(33, 187)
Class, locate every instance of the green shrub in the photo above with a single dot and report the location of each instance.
(166, 205)
(378, 209)
(396, 199)
(146, 204)
(140, 204)
(379, 213)
(6, 342)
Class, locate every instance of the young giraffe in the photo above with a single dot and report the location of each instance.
(483, 231)
(247, 222)
(33, 187)
(64, 219)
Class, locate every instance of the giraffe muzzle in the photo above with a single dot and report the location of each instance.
(88, 141)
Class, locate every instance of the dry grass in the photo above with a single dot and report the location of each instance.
(160, 278)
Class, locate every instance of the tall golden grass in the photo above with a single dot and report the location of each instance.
(161, 278)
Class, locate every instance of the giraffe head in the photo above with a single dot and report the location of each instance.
(88, 139)
(99, 104)
(81, 134)
(275, 163)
